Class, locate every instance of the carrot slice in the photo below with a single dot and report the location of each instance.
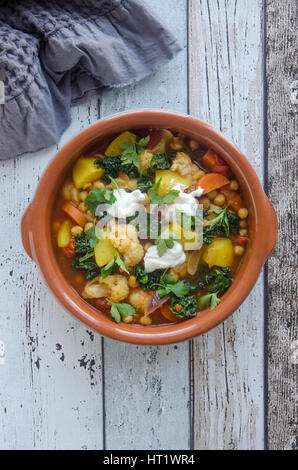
(215, 164)
(211, 181)
(74, 213)
(167, 313)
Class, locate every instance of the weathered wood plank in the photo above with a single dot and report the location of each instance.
(281, 73)
(147, 388)
(51, 389)
(225, 44)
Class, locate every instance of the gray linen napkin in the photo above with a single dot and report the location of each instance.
(54, 54)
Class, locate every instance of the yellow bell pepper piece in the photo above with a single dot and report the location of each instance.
(104, 252)
(169, 179)
(219, 253)
(114, 148)
(85, 172)
(64, 234)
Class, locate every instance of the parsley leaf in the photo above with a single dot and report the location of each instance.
(179, 289)
(208, 300)
(130, 152)
(98, 196)
(109, 268)
(119, 310)
(156, 198)
(163, 245)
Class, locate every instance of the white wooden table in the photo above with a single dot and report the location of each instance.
(63, 386)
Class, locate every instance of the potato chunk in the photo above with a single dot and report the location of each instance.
(85, 172)
(219, 253)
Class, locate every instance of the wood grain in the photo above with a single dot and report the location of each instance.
(147, 388)
(51, 387)
(282, 86)
(225, 50)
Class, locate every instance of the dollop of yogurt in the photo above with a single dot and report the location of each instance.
(173, 257)
(127, 204)
(185, 202)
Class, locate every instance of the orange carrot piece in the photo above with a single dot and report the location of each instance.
(211, 181)
(74, 214)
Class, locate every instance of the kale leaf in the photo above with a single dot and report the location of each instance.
(113, 166)
(145, 182)
(225, 223)
(216, 280)
(84, 253)
(148, 281)
(184, 307)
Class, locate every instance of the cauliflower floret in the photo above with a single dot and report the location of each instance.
(179, 271)
(145, 159)
(93, 289)
(124, 238)
(139, 299)
(182, 163)
(117, 285)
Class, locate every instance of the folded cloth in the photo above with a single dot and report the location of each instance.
(54, 54)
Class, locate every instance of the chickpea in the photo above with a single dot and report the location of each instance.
(243, 213)
(98, 184)
(212, 195)
(76, 230)
(243, 232)
(238, 250)
(83, 195)
(220, 200)
(74, 194)
(132, 282)
(88, 225)
(206, 203)
(128, 319)
(176, 144)
(242, 224)
(82, 207)
(87, 186)
(234, 185)
(193, 144)
(145, 320)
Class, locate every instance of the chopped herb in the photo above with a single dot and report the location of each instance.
(184, 307)
(224, 223)
(208, 300)
(160, 161)
(179, 289)
(145, 182)
(84, 253)
(98, 196)
(156, 198)
(216, 280)
(130, 152)
(119, 310)
(113, 166)
(164, 244)
(109, 268)
(148, 281)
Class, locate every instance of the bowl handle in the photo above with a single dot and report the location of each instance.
(271, 227)
(26, 232)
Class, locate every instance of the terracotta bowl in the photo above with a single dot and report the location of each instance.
(36, 227)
